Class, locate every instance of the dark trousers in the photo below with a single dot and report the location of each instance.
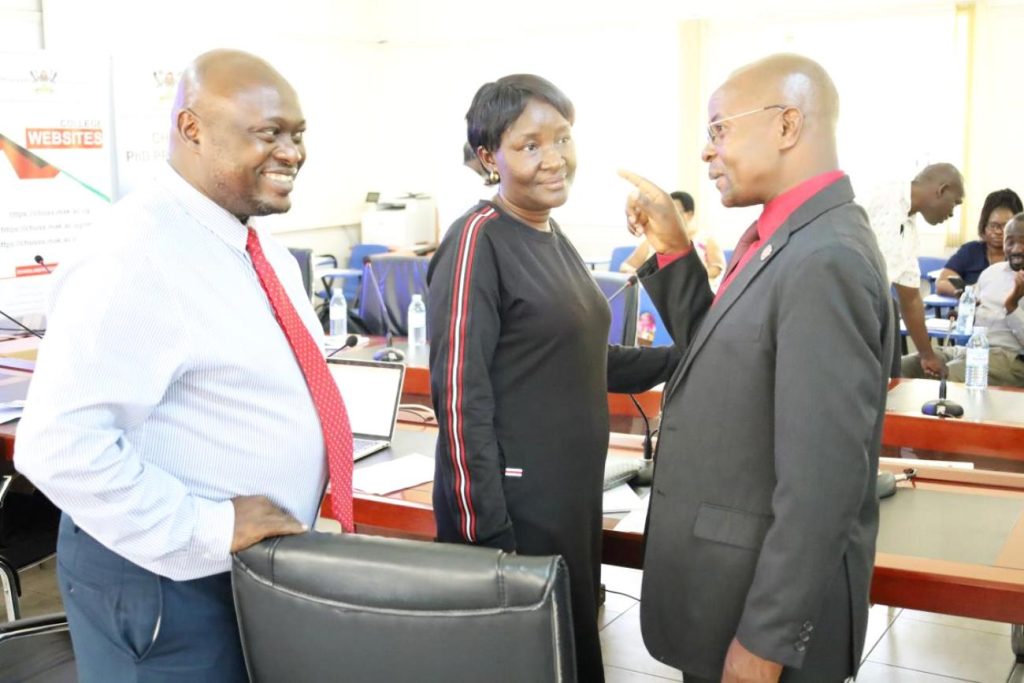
(129, 624)
(899, 341)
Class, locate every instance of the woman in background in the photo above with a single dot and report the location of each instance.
(518, 356)
(977, 255)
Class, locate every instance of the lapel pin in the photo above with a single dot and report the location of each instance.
(766, 252)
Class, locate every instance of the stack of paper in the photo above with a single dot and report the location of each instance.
(394, 475)
(11, 411)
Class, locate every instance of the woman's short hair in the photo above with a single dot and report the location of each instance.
(1000, 199)
(498, 104)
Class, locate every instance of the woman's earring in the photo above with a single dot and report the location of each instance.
(493, 177)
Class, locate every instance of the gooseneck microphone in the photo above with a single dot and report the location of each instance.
(645, 474)
(39, 259)
(630, 281)
(388, 354)
(350, 341)
(943, 407)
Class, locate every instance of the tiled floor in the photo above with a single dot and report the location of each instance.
(903, 646)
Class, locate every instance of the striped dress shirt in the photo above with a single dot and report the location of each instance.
(165, 387)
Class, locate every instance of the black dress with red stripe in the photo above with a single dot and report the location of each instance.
(518, 357)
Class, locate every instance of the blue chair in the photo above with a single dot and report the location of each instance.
(623, 326)
(927, 265)
(356, 260)
(646, 306)
(388, 283)
(619, 254)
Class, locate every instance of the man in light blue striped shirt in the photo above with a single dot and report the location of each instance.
(168, 417)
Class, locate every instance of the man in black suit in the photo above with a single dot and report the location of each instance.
(761, 539)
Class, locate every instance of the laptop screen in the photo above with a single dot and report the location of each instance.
(372, 391)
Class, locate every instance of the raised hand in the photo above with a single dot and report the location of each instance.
(651, 212)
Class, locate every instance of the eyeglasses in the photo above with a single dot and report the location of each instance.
(715, 128)
(992, 226)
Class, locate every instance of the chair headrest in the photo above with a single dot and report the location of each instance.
(386, 573)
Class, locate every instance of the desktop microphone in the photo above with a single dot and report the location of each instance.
(350, 341)
(24, 327)
(39, 259)
(388, 354)
(885, 486)
(630, 281)
(942, 407)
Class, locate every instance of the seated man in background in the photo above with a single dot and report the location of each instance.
(975, 256)
(892, 209)
(707, 248)
(999, 290)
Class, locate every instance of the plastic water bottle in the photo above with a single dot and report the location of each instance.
(417, 321)
(965, 311)
(977, 359)
(339, 313)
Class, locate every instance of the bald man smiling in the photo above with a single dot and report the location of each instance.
(763, 515)
(170, 416)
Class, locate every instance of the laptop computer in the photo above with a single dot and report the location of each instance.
(372, 391)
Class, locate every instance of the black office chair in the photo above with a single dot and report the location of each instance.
(323, 607)
(389, 281)
(28, 534)
(37, 650)
(304, 257)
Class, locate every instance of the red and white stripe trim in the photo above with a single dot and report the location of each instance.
(513, 471)
(454, 372)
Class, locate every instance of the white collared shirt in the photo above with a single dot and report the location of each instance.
(165, 387)
(887, 207)
(1004, 330)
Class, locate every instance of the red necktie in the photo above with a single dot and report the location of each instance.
(329, 406)
(747, 241)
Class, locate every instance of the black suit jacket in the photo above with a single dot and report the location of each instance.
(763, 507)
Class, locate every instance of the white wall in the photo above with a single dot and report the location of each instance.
(385, 85)
(22, 22)
(901, 93)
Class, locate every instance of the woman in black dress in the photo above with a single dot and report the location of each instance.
(518, 351)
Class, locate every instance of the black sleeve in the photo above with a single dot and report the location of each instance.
(632, 369)
(681, 294)
(465, 324)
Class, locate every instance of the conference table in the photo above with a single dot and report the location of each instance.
(952, 542)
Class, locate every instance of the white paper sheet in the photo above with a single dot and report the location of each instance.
(11, 411)
(394, 475)
(621, 498)
(636, 519)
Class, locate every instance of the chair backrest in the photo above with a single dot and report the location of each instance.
(619, 254)
(305, 260)
(623, 326)
(28, 534)
(388, 283)
(356, 258)
(927, 265)
(37, 650)
(329, 607)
